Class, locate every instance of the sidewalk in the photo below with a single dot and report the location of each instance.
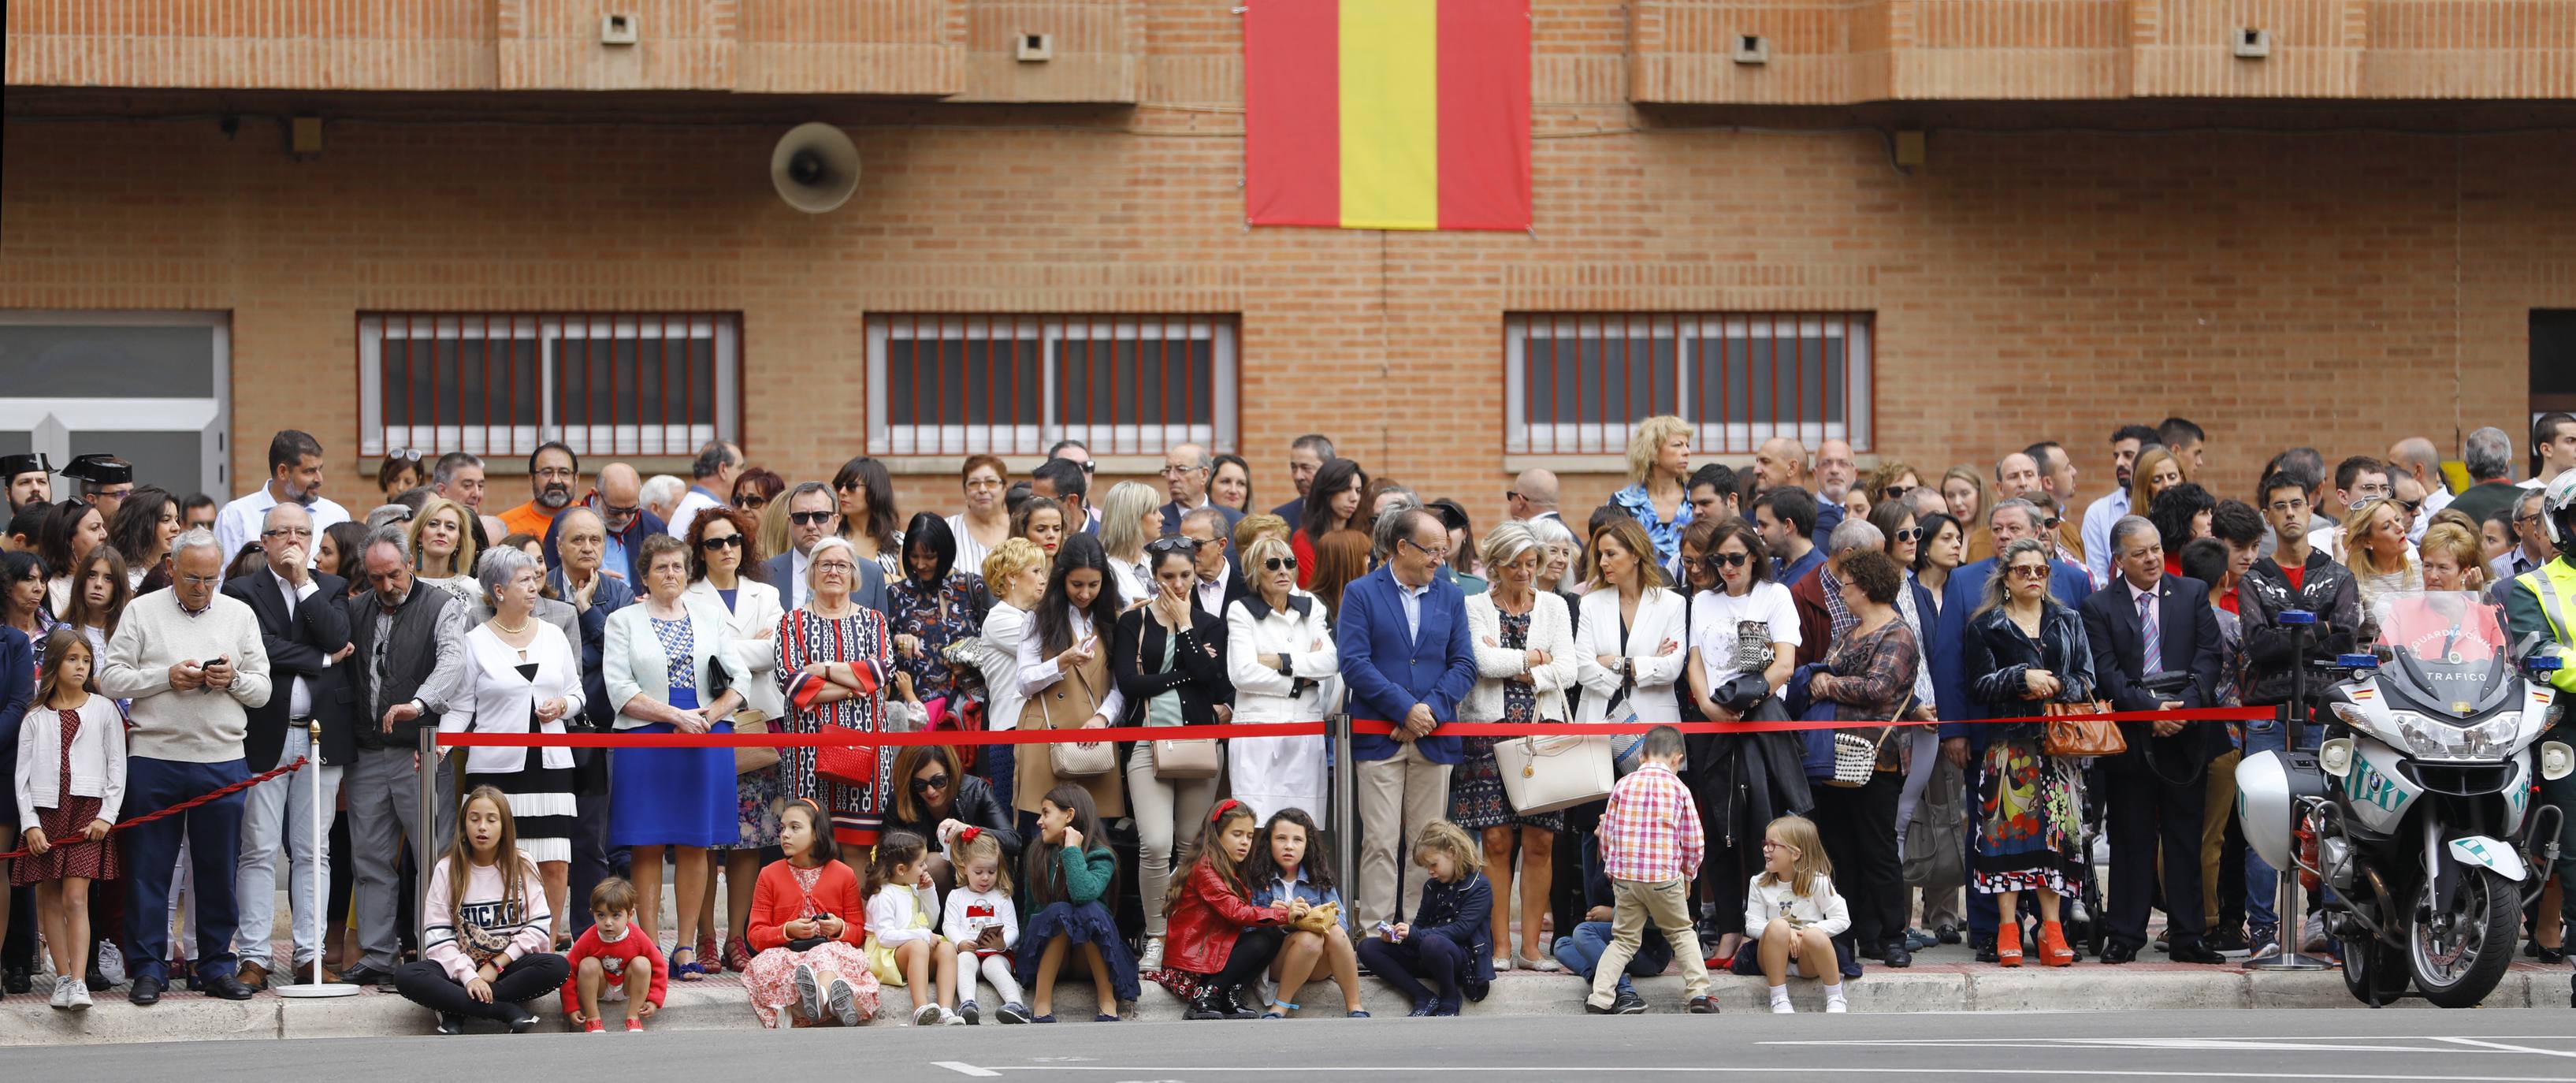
(1940, 981)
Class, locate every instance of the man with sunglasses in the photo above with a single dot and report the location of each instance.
(624, 523)
(1533, 496)
(1211, 556)
(2531, 547)
(814, 514)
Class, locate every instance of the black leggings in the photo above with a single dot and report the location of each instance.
(1251, 956)
(426, 983)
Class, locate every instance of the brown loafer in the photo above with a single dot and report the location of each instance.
(253, 975)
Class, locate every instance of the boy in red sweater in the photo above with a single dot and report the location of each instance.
(613, 959)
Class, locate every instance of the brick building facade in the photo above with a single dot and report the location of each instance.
(2116, 219)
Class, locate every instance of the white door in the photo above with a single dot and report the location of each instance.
(152, 388)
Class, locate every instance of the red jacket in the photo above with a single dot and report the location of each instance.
(615, 958)
(1204, 922)
(776, 900)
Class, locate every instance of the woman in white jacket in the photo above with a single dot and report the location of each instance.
(724, 544)
(1524, 662)
(522, 676)
(1280, 654)
(1629, 636)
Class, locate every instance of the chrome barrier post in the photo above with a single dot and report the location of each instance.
(426, 821)
(2289, 935)
(1337, 729)
(321, 885)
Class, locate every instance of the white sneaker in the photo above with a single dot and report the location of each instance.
(1836, 1007)
(63, 992)
(1153, 957)
(111, 962)
(951, 1019)
(1782, 1007)
(80, 995)
(926, 1015)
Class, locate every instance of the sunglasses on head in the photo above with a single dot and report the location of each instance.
(406, 454)
(1714, 561)
(934, 782)
(1172, 545)
(809, 518)
(1278, 563)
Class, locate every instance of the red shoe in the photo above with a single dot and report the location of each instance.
(737, 955)
(594, 1027)
(634, 1026)
(2053, 949)
(707, 956)
(2008, 945)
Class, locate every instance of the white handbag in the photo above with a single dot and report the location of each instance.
(1550, 774)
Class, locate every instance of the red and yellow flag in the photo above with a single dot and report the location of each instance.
(1387, 114)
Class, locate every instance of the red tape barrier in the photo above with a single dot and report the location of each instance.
(173, 810)
(1239, 730)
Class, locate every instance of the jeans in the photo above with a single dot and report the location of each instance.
(151, 853)
(275, 811)
(1581, 953)
(2261, 879)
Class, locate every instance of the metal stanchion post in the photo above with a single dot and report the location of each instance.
(2285, 891)
(422, 857)
(321, 886)
(1346, 820)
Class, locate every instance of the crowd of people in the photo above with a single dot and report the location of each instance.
(155, 648)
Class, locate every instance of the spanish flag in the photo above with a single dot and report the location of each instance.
(1387, 114)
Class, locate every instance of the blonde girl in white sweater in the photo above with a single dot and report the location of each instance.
(1793, 914)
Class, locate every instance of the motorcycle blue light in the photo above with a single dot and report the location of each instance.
(2357, 661)
(2295, 616)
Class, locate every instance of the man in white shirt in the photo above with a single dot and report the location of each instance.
(2125, 445)
(1836, 470)
(295, 476)
(2357, 479)
(2553, 448)
(716, 467)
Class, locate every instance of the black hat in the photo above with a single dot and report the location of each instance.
(31, 463)
(100, 469)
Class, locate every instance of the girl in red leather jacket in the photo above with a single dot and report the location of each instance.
(1218, 943)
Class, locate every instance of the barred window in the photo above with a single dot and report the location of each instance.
(1014, 385)
(503, 383)
(1576, 382)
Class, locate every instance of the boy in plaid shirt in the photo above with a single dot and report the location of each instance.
(1650, 848)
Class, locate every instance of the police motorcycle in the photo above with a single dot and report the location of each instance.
(2414, 814)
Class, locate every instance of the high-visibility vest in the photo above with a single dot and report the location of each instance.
(2553, 584)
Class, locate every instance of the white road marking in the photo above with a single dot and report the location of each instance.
(1804, 1070)
(2512, 1048)
(2267, 1045)
(962, 1068)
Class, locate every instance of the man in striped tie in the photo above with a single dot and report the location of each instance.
(2145, 629)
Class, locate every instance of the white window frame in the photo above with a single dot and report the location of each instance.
(51, 421)
(1049, 334)
(1857, 329)
(550, 333)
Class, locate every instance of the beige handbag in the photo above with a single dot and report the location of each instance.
(1551, 774)
(1182, 759)
(750, 758)
(1069, 760)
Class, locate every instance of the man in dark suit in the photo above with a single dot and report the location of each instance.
(306, 633)
(2147, 625)
(1186, 468)
(1219, 584)
(1406, 659)
(813, 514)
(1306, 455)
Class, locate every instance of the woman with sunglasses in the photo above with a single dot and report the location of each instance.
(865, 490)
(1892, 481)
(399, 471)
(1281, 657)
(938, 799)
(723, 555)
(1169, 659)
(2025, 651)
(757, 486)
(1524, 644)
(1743, 626)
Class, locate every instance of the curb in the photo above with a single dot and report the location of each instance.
(718, 1004)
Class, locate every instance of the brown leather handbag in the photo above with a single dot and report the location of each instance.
(2081, 738)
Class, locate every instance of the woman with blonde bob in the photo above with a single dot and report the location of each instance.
(442, 548)
(1524, 644)
(2452, 559)
(1658, 491)
(1124, 530)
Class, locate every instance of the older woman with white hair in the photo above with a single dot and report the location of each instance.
(522, 677)
(1281, 656)
(835, 657)
(1658, 491)
(1525, 661)
(1130, 516)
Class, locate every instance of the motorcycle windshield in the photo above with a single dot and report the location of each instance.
(2445, 651)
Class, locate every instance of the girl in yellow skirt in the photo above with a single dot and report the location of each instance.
(902, 948)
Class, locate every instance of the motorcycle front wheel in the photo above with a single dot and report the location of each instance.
(2458, 956)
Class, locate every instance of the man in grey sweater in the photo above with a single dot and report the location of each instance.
(192, 662)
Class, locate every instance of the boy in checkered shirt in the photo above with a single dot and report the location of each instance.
(1650, 848)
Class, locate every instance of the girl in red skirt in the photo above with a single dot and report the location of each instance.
(71, 778)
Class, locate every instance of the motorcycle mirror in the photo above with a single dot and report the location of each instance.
(2383, 652)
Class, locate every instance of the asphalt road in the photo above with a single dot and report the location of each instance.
(2343, 1046)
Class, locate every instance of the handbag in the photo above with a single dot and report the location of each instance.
(750, 758)
(1551, 774)
(1184, 759)
(853, 765)
(1856, 757)
(1070, 760)
(2080, 738)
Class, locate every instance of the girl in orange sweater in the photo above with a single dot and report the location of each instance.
(807, 923)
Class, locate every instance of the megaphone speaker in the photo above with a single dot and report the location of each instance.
(815, 167)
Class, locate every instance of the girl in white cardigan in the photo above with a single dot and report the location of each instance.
(1525, 659)
(70, 783)
(1281, 657)
(1630, 632)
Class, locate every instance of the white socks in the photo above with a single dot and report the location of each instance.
(1780, 1001)
(1834, 1002)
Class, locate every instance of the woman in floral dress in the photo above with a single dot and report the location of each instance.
(1524, 642)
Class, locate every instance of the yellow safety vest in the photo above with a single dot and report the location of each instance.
(2553, 584)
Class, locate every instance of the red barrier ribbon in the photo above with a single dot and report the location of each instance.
(1249, 729)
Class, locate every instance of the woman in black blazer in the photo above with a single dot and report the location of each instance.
(1170, 663)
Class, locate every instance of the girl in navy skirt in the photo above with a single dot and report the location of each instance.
(1070, 872)
(669, 668)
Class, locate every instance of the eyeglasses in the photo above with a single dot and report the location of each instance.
(555, 473)
(727, 541)
(1714, 561)
(1911, 533)
(810, 518)
(1510, 495)
(201, 580)
(1280, 563)
(983, 483)
(2531, 518)
(840, 566)
(1173, 545)
(1178, 471)
(2029, 571)
(934, 782)
(288, 532)
(1441, 553)
(2299, 504)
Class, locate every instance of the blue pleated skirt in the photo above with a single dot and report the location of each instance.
(672, 796)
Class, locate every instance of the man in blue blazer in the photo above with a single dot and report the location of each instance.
(2143, 625)
(2008, 520)
(1407, 660)
(814, 513)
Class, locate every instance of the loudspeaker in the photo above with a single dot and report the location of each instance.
(815, 167)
